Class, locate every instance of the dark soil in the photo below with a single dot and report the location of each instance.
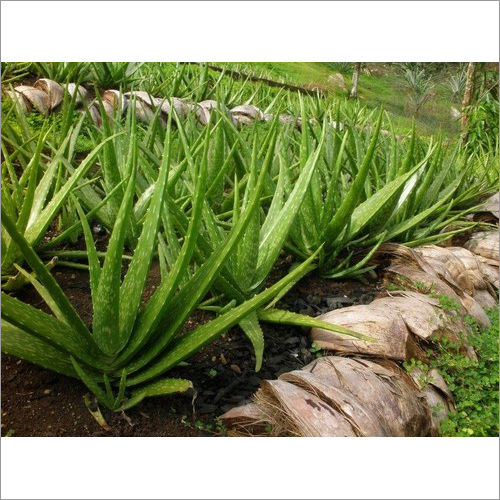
(37, 402)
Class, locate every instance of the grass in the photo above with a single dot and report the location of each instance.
(385, 89)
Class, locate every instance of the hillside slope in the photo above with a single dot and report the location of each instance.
(379, 84)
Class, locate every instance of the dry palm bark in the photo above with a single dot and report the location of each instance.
(339, 397)
(364, 391)
(492, 205)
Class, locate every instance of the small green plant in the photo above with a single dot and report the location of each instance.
(316, 350)
(418, 366)
(449, 304)
(424, 287)
(394, 287)
(474, 384)
(217, 428)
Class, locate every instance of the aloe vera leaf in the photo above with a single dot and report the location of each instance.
(37, 229)
(421, 216)
(106, 320)
(250, 325)
(18, 342)
(272, 243)
(94, 264)
(70, 230)
(29, 197)
(290, 318)
(91, 384)
(135, 280)
(366, 212)
(161, 387)
(153, 311)
(49, 329)
(43, 292)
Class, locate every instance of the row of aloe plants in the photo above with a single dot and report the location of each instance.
(216, 206)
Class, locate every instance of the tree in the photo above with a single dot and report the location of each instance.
(355, 76)
(467, 101)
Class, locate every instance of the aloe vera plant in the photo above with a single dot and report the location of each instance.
(63, 72)
(34, 197)
(122, 357)
(261, 243)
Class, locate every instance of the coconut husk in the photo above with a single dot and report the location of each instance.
(438, 257)
(436, 394)
(471, 263)
(95, 115)
(336, 396)
(484, 299)
(438, 286)
(489, 272)
(182, 107)
(408, 272)
(82, 95)
(431, 264)
(249, 417)
(38, 98)
(20, 100)
(492, 205)
(297, 412)
(386, 326)
(109, 108)
(143, 96)
(143, 112)
(54, 91)
(475, 310)
(287, 119)
(205, 108)
(382, 388)
(246, 114)
(116, 99)
(490, 262)
(485, 244)
(361, 420)
(422, 314)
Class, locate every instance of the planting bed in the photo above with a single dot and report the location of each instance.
(185, 226)
(37, 402)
